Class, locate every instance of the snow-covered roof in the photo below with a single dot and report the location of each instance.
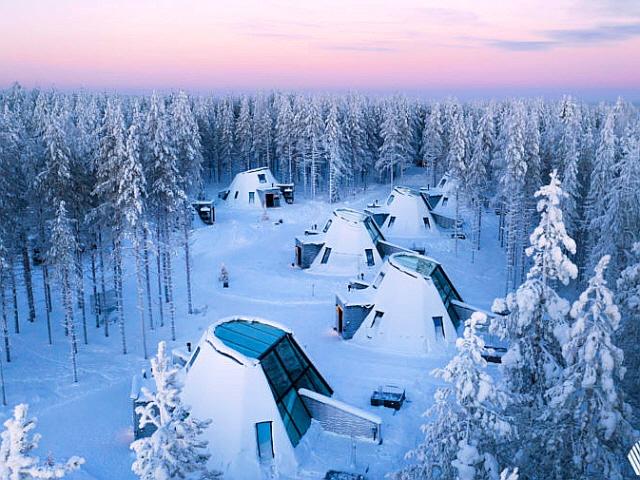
(243, 372)
(410, 303)
(442, 197)
(245, 189)
(349, 239)
(407, 216)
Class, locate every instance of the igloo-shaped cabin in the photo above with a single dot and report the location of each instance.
(261, 391)
(411, 308)
(404, 217)
(257, 188)
(349, 243)
(442, 200)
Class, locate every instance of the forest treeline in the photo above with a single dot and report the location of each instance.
(84, 172)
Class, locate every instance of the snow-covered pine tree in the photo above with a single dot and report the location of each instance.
(473, 424)
(601, 182)
(17, 443)
(432, 153)
(628, 299)
(394, 152)
(112, 155)
(263, 132)
(167, 198)
(244, 134)
(457, 161)
(532, 317)
(533, 322)
(622, 218)
(479, 162)
(569, 152)
(512, 186)
(62, 255)
(226, 121)
(310, 143)
(356, 142)
(186, 138)
(334, 147)
(590, 416)
(284, 141)
(130, 202)
(174, 449)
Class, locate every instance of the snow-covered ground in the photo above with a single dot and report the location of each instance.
(93, 418)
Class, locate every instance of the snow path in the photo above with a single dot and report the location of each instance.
(93, 418)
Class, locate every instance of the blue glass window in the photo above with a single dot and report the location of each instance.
(264, 437)
(325, 255)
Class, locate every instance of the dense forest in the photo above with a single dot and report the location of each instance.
(87, 179)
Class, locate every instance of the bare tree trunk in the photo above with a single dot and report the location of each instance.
(2, 387)
(103, 288)
(147, 275)
(94, 285)
(14, 294)
(69, 325)
(160, 271)
(117, 282)
(80, 292)
(140, 290)
(169, 279)
(187, 259)
(5, 324)
(28, 280)
(47, 301)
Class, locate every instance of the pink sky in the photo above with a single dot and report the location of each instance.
(415, 45)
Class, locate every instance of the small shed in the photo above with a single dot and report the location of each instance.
(205, 210)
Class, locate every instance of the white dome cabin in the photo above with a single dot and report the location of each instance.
(349, 243)
(257, 188)
(262, 393)
(442, 201)
(404, 217)
(410, 308)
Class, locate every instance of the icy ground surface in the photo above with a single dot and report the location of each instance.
(93, 418)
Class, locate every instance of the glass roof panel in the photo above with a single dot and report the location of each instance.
(249, 338)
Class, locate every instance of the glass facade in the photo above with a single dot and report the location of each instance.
(373, 230)
(285, 366)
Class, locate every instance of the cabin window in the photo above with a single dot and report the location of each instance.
(262, 178)
(252, 197)
(193, 358)
(376, 319)
(326, 227)
(438, 325)
(427, 224)
(442, 182)
(236, 195)
(370, 260)
(325, 255)
(390, 199)
(392, 220)
(264, 437)
(378, 280)
(445, 200)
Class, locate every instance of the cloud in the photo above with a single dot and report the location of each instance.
(359, 48)
(448, 15)
(599, 34)
(279, 35)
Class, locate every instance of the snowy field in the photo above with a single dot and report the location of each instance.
(93, 418)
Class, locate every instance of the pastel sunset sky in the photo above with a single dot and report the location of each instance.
(475, 47)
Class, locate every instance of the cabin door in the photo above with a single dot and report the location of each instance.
(339, 318)
(298, 255)
(269, 200)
